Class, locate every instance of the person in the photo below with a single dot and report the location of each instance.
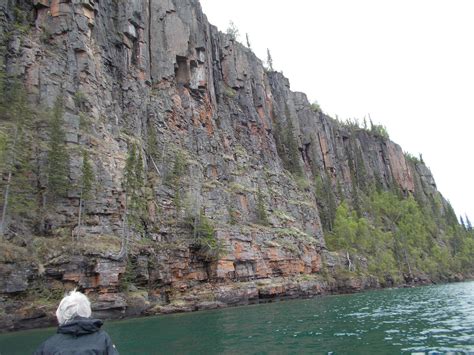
(77, 333)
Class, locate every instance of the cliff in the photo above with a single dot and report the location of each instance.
(240, 174)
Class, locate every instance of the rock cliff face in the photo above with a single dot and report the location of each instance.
(156, 74)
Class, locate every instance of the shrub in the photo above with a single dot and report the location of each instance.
(204, 238)
(315, 107)
(232, 31)
(230, 92)
(262, 217)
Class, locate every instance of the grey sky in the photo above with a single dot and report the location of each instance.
(409, 64)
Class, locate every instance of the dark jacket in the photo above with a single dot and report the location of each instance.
(78, 336)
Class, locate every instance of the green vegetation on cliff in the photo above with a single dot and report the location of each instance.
(86, 185)
(385, 230)
(286, 143)
(58, 158)
(204, 236)
(133, 184)
(401, 239)
(262, 217)
(16, 146)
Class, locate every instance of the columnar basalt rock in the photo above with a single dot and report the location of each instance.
(131, 70)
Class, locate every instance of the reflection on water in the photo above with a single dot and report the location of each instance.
(434, 319)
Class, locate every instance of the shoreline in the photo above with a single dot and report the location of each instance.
(227, 295)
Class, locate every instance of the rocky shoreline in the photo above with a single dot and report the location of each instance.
(205, 296)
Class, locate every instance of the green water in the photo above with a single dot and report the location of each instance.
(435, 318)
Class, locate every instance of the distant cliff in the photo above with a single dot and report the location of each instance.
(194, 178)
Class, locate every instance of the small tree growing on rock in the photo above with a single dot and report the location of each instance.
(204, 237)
(248, 41)
(269, 60)
(233, 31)
(262, 217)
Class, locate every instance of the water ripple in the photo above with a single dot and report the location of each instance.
(425, 320)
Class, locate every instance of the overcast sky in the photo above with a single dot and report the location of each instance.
(409, 64)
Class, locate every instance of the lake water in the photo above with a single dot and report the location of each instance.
(435, 319)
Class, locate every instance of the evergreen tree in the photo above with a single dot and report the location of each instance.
(354, 180)
(269, 60)
(86, 185)
(315, 106)
(173, 180)
(135, 202)
(15, 151)
(279, 139)
(248, 41)
(3, 98)
(463, 225)
(210, 248)
(455, 241)
(130, 182)
(450, 215)
(468, 224)
(88, 179)
(291, 144)
(326, 201)
(152, 146)
(3, 149)
(360, 171)
(179, 166)
(421, 159)
(233, 31)
(140, 172)
(22, 190)
(134, 183)
(58, 158)
(287, 144)
(364, 123)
